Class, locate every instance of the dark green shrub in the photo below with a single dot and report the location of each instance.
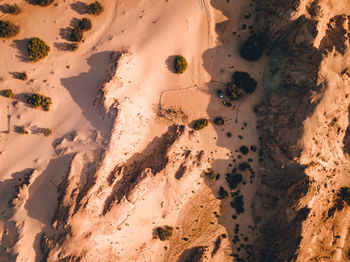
(223, 194)
(44, 2)
(165, 232)
(13, 9)
(21, 76)
(7, 29)
(37, 100)
(243, 166)
(8, 93)
(244, 150)
(76, 35)
(344, 194)
(233, 180)
(85, 24)
(253, 48)
(95, 8)
(238, 204)
(37, 49)
(212, 175)
(219, 121)
(200, 124)
(180, 64)
(233, 92)
(244, 81)
(21, 130)
(47, 131)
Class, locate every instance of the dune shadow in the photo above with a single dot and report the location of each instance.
(170, 62)
(22, 47)
(84, 87)
(80, 7)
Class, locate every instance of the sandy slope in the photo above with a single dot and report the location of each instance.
(74, 166)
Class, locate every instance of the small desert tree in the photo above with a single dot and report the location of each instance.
(7, 29)
(180, 64)
(165, 232)
(76, 35)
(95, 8)
(13, 9)
(37, 49)
(85, 24)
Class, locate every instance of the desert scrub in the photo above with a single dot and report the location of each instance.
(37, 49)
(43, 2)
(238, 204)
(76, 35)
(37, 100)
(253, 48)
(165, 232)
(219, 121)
(223, 194)
(47, 132)
(243, 81)
(200, 124)
(13, 9)
(8, 93)
(22, 130)
(233, 92)
(21, 76)
(85, 24)
(95, 8)
(233, 180)
(212, 175)
(344, 194)
(7, 29)
(180, 64)
(244, 150)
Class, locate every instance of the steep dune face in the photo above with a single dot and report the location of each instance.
(303, 120)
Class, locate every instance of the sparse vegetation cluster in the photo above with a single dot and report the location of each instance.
(22, 130)
(37, 100)
(180, 64)
(85, 24)
(253, 48)
(47, 132)
(7, 29)
(212, 175)
(241, 84)
(200, 124)
(76, 34)
(43, 2)
(344, 194)
(8, 93)
(219, 121)
(13, 9)
(95, 8)
(165, 232)
(37, 49)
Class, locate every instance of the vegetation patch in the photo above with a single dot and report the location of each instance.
(37, 49)
(238, 204)
(13, 9)
(21, 130)
(243, 166)
(95, 8)
(47, 132)
(219, 121)
(37, 100)
(85, 24)
(200, 124)
(233, 180)
(8, 93)
(243, 81)
(180, 64)
(165, 232)
(212, 175)
(344, 194)
(244, 150)
(253, 48)
(223, 194)
(42, 2)
(20, 75)
(233, 92)
(76, 35)
(7, 29)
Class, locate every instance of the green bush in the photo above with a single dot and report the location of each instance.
(85, 24)
(21, 130)
(244, 81)
(47, 131)
(233, 180)
(165, 232)
(44, 2)
(180, 64)
(37, 100)
(344, 194)
(200, 124)
(219, 121)
(233, 92)
(37, 49)
(95, 8)
(76, 35)
(223, 194)
(7, 29)
(244, 150)
(21, 76)
(8, 93)
(212, 175)
(13, 9)
(253, 48)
